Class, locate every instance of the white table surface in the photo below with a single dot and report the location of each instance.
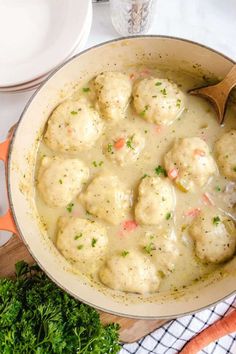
(211, 22)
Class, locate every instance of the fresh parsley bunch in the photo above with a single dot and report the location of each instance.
(37, 317)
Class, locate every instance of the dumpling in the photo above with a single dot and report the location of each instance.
(162, 246)
(225, 149)
(214, 235)
(107, 198)
(81, 240)
(189, 163)
(73, 126)
(158, 101)
(156, 201)
(60, 180)
(113, 91)
(133, 273)
(124, 147)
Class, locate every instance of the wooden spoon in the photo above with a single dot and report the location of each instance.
(218, 94)
(220, 328)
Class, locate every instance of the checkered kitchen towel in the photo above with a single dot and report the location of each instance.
(171, 338)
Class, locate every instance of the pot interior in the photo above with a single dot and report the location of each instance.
(114, 55)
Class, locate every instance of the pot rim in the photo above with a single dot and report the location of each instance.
(11, 205)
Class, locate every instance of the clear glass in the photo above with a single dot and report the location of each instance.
(131, 17)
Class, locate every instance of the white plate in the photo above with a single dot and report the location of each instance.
(33, 84)
(36, 36)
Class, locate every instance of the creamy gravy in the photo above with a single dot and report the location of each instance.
(198, 120)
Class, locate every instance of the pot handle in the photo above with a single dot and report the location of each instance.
(6, 221)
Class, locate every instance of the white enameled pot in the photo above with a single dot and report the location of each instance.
(19, 152)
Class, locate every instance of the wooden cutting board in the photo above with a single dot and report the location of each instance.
(130, 330)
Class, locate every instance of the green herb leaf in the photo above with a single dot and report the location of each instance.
(164, 92)
(94, 241)
(144, 111)
(86, 89)
(144, 176)
(36, 316)
(129, 142)
(178, 103)
(109, 147)
(97, 164)
(79, 247)
(216, 220)
(168, 216)
(234, 169)
(158, 83)
(218, 189)
(149, 248)
(73, 113)
(70, 207)
(124, 253)
(60, 181)
(78, 236)
(161, 274)
(160, 171)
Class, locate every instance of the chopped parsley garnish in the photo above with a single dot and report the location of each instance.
(88, 213)
(144, 111)
(168, 216)
(234, 169)
(73, 112)
(129, 142)
(97, 164)
(164, 92)
(216, 220)
(109, 147)
(86, 89)
(160, 171)
(124, 253)
(60, 181)
(78, 236)
(69, 207)
(145, 131)
(158, 83)
(94, 241)
(178, 103)
(149, 248)
(161, 274)
(145, 175)
(218, 189)
(80, 247)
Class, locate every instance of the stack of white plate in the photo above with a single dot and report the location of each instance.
(37, 36)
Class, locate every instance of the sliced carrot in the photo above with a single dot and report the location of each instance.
(145, 72)
(132, 76)
(192, 212)
(173, 173)
(207, 199)
(129, 225)
(199, 152)
(158, 128)
(119, 144)
(220, 328)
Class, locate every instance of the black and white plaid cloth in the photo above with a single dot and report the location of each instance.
(171, 338)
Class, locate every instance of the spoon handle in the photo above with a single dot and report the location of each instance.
(228, 83)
